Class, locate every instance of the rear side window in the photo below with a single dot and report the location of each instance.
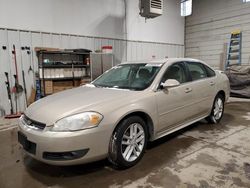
(210, 72)
(197, 70)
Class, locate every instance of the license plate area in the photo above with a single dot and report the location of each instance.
(27, 145)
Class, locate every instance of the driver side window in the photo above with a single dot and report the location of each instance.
(175, 71)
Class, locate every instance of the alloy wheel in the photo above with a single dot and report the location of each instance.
(133, 142)
(218, 109)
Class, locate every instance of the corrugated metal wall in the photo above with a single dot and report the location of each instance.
(210, 26)
(123, 50)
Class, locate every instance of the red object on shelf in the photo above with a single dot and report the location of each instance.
(107, 49)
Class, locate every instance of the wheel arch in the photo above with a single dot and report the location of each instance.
(222, 93)
(146, 117)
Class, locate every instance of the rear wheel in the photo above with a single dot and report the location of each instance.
(128, 142)
(217, 110)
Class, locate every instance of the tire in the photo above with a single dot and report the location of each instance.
(217, 110)
(126, 150)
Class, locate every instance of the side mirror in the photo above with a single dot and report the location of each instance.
(170, 83)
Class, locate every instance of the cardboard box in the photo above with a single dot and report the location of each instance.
(61, 88)
(85, 81)
(57, 86)
(62, 84)
(48, 87)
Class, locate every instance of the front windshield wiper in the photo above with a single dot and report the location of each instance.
(117, 87)
(96, 85)
(129, 88)
(102, 86)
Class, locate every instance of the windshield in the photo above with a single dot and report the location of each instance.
(129, 76)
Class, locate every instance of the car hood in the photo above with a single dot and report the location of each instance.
(85, 98)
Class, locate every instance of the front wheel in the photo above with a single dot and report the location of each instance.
(217, 110)
(128, 142)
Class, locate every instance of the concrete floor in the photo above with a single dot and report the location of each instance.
(201, 155)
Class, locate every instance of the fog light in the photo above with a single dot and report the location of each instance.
(61, 156)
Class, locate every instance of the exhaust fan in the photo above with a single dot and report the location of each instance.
(151, 8)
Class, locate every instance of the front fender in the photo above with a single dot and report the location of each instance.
(145, 104)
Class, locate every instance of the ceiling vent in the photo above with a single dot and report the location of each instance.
(151, 8)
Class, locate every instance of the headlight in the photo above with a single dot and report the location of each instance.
(77, 122)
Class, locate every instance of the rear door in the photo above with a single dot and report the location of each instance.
(203, 85)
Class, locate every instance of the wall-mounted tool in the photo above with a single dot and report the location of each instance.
(17, 88)
(11, 115)
(29, 52)
(25, 89)
(7, 83)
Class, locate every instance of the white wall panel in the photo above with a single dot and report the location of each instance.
(25, 62)
(56, 41)
(47, 39)
(4, 67)
(65, 41)
(96, 18)
(72, 41)
(168, 28)
(87, 24)
(210, 27)
(36, 42)
(123, 50)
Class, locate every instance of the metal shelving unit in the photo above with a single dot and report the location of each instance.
(67, 78)
(64, 66)
(53, 66)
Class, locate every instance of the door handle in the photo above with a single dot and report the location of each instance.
(212, 83)
(188, 90)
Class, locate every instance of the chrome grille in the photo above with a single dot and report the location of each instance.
(32, 123)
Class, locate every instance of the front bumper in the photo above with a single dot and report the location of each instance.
(64, 148)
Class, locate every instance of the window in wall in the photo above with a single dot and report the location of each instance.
(245, 1)
(186, 7)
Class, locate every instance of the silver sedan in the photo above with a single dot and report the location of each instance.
(117, 114)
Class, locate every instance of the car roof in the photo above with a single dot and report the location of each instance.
(161, 61)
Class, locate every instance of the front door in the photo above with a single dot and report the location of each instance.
(174, 104)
